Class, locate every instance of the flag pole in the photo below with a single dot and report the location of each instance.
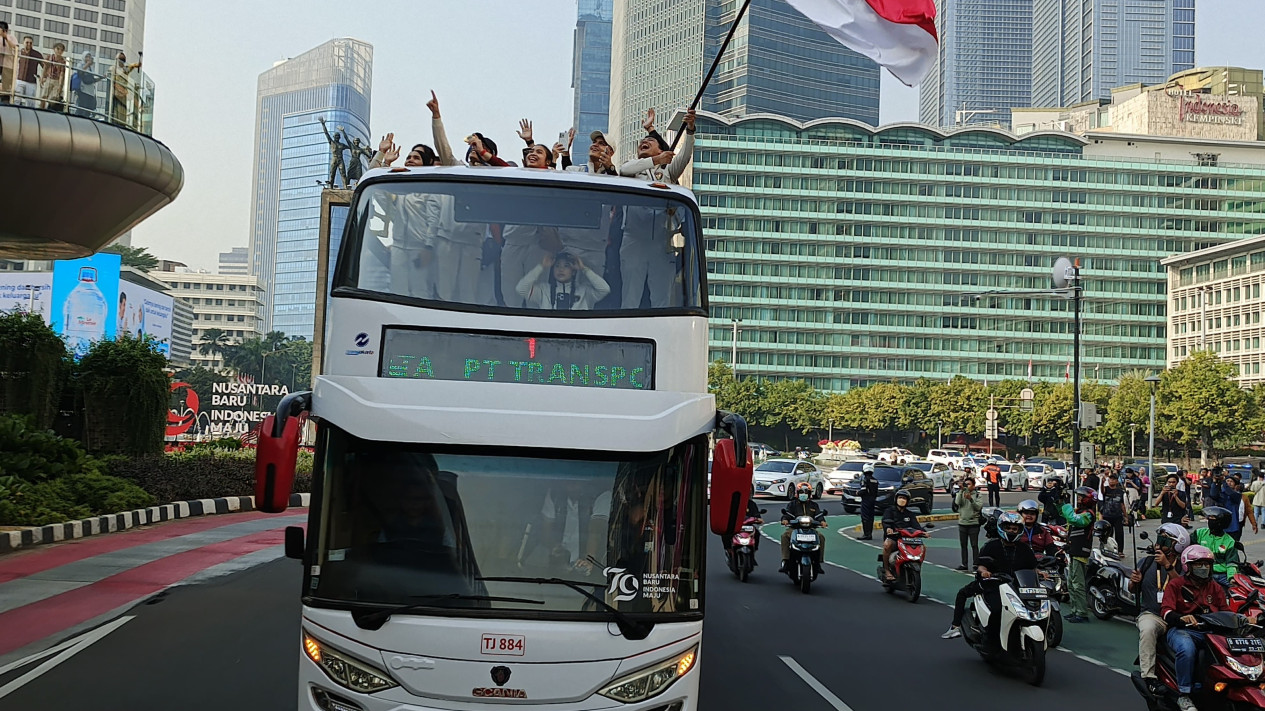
(715, 63)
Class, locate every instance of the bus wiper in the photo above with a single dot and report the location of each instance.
(376, 618)
(630, 628)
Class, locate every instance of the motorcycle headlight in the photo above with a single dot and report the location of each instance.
(1245, 670)
(345, 671)
(1022, 612)
(649, 683)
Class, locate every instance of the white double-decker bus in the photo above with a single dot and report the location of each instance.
(510, 480)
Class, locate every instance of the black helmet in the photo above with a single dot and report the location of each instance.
(1028, 506)
(1085, 492)
(904, 493)
(1009, 526)
(1102, 529)
(1218, 519)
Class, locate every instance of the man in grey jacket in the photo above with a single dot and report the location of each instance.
(969, 507)
(646, 255)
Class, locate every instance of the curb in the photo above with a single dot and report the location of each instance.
(921, 519)
(13, 540)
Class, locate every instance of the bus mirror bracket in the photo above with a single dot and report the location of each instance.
(277, 452)
(735, 426)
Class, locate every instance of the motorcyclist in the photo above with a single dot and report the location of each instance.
(1002, 555)
(896, 518)
(801, 505)
(1051, 498)
(1104, 532)
(1035, 535)
(1147, 582)
(1194, 593)
(1222, 544)
(1080, 520)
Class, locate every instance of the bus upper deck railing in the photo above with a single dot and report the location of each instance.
(118, 93)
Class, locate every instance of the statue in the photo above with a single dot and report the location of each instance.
(336, 148)
(355, 168)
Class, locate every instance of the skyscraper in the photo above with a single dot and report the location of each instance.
(779, 62)
(102, 30)
(591, 72)
(1082, 49)
(292, 159)
(985, 66)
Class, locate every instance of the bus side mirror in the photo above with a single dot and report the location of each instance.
(277, 453)
(295, 543)
(731, 487)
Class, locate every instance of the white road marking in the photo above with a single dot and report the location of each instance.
(64, 651)
(815, 685)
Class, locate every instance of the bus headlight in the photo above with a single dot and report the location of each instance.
(649, 683)
(345, 671)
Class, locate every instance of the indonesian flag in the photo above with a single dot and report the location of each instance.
(898, 34)
(1067, 372)
(1029, 369)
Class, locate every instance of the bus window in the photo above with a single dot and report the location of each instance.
(524, 247)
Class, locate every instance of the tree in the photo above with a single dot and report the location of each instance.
(1201, 403)
(32, 365)
(915, 409)
(135, 257)
(125, 392)
(880, 407)
(960, 405)
(214, 341)
(202, 380)
(1129, 404)
(793, 402)
(744, 397)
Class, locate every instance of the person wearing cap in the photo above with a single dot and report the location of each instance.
(655, 162)
(562, 282)
(600, 154)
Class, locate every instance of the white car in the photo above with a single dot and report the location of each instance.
(1013, 476)
(1037, 472)
(779, 477)
(951, 457)
(939, 473)
(896, 455)
(838, 479)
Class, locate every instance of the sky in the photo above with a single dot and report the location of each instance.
(491, 62)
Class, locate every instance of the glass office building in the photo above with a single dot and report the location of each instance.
(292, 160)
(778, 62)
(985, 65)
(853, 255)
(591, 73)
(1082, 49)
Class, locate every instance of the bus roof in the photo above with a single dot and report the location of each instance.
(494, 174)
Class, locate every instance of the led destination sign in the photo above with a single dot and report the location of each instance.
(428, 354)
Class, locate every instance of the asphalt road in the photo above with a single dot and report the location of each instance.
(230, 643)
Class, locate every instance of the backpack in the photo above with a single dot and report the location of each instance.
(1113, 507)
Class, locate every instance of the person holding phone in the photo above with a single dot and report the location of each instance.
(1172, 503)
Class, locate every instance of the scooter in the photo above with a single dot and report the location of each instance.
(1107, 586)
(1025, 615)
(742, 548)
(1228, 675)
(1052, 574)
(805, 548)
(906, 562)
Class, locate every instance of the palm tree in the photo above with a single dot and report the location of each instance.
(274, 340)
(214, 341)
(136, 257)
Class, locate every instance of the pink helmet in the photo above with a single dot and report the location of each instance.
(1196, 553)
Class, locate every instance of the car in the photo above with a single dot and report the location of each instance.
(1037, 472)
(896, 455)
(779, 477)
(846, 471)
(946, 456)
(1013, 476)
(939, 473)
(890, 480)
(762, 451)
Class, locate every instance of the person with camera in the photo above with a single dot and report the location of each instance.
(1051, 498)
(1113, 508)
(1172, 502)
(1080, 523)
(1147, 582)
(968, 505)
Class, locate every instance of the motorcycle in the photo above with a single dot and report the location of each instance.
(1052, 574)
(805, 548)
(1228, 675)
(743, 546)
(1025, 615)
(906, 562)
(1107, 587)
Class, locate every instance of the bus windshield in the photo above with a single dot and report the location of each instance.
(524, 247)
(403, 524)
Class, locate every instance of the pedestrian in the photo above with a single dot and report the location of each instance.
(1051, 498)
(1080, 523)
(1133, 488)
(1249, 515)
(1092, 480)
(81, 85)
(1240, 509)
(1258, 494)
(1173, 503)
(8, 62)
(1113, 509)
(869, 494)
(968, 505)
(992, 477)
(52, 94)
(26, 87)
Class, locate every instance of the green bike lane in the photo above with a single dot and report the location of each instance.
(1113, 644)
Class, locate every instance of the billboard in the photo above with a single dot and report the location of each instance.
(85, 297)
(143, 311)
(226, 409)
(26, 291)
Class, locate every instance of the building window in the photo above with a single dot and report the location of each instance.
(61, 28)
(56, 10)
(85, 32)
(32, 5)
(111, 37)
(85, 15)
(111, 20)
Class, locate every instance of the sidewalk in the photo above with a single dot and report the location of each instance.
(51, 592)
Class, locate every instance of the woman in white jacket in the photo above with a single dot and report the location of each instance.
(562, 282)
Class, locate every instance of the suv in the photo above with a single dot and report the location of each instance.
(890, 480)
(946, 456)
(896, 455)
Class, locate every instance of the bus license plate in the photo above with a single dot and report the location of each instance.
(1243, 645)
(509, 645)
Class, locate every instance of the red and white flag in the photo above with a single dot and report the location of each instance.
(1067, 373)
(1029, 369)
(898, 34)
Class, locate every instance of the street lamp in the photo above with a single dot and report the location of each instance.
(733, 355)
(1133, 441)
(1150, 451)
(939, 434)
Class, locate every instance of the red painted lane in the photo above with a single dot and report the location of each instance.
(23, 563)
(47, 617)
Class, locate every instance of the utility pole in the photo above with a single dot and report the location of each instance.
(1076, 370)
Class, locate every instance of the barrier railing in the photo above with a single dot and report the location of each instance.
(118, 93)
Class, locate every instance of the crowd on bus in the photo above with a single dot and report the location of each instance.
(631, 259)
(56, 81)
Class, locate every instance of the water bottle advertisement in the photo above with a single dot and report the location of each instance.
(85, 295)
